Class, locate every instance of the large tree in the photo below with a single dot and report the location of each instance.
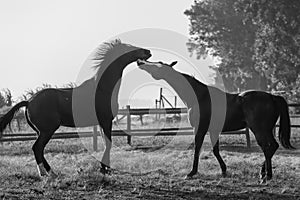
(257, 42)
(277, 46)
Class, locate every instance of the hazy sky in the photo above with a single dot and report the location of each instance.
(48, 41)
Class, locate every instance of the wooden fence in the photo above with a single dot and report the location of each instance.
(129, 132)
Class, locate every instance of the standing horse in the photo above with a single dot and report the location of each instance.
(93, 102)
(254, 109)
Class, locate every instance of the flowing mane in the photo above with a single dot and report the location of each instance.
(103, 52)
(107, 52)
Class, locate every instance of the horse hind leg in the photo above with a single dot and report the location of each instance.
(38, 149)
(269, 146)
(263, 170)
(216, 152)
(269, 152)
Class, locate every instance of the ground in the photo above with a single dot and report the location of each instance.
(153, 168)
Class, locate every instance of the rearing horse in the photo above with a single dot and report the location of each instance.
(93, 102)
(254, 109)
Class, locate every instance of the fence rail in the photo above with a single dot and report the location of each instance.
(129, 132)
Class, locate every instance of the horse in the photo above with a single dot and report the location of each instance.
(93, 102)
(256, 110)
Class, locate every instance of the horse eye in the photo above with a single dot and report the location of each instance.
(160, 62)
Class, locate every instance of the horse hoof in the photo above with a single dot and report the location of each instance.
(190, 176)
(104, 171)
(42, 177)
(42, 171)
(187, 177)
(52, 175)
(263, 181)
(224, 175)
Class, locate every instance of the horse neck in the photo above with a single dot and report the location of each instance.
(188, 88)
(200, 87)
(87, 86)
(109, 78)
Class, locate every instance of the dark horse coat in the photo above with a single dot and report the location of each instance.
(213, 110)
(94, 102)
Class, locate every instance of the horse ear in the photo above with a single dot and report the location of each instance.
(173, 63)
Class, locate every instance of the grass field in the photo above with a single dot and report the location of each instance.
(153, 168)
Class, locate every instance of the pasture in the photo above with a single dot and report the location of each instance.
(152, 168)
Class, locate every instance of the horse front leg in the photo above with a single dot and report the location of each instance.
(222, 164)
(199, 137)
(105, 162)
(199, 132)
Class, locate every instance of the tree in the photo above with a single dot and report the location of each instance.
(8, 97)
(257, 42)
(31, 92)
(70, 85)
(2, 100)
(277, 45)
(218, 27)
(5, 98)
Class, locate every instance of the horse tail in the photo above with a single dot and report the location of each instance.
(284, 123)
(6, 119)
(30, 123)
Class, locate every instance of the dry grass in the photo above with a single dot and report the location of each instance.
(153, 169)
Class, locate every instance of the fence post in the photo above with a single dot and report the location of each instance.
(95, 138)
(156, 102)
(248, 138)
(128, 125)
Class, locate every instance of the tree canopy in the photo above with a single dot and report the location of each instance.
(256, 41)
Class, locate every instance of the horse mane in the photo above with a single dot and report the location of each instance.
(103, 52)
(192, 80)
(107, 52)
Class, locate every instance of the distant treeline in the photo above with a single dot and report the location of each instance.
(6, 98)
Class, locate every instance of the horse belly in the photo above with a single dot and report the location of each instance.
(80, 112)
(234, 121)
(83, 117)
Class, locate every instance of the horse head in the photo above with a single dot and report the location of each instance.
(158, 70)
